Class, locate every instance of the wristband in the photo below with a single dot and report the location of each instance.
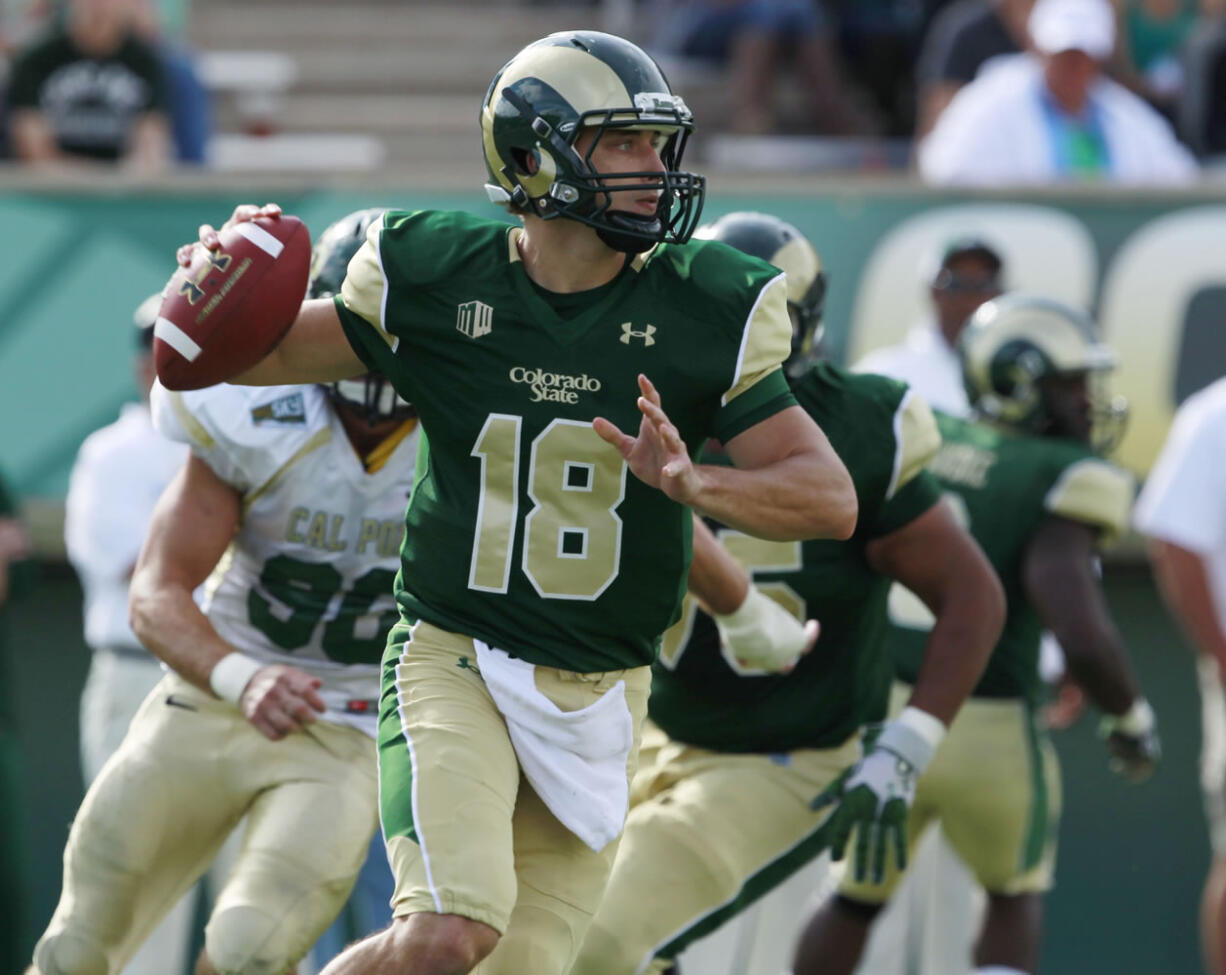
(913, 736)
(231, 675)
(762, 633)
(1136, 722)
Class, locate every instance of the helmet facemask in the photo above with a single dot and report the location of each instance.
(370, 397)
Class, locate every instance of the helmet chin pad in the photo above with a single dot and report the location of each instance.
(628, 232)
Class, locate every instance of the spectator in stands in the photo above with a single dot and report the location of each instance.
(1051, 116)
(879, 41)
(967, 272)
(963, 37)
(753, 38)
(1183, 510)
(1202, 104)
(90, 89)
(1148, 57)
(191, 109)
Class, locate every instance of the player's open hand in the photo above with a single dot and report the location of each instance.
(208, 233)
(280, 700)
(657, 456)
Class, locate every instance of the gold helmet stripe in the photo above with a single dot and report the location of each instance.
(799, 261)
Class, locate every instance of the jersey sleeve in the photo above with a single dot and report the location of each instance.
(1184, 499)
(759, 388)
(916, 440)
(245, 434)
(1095, 493)
(911, 490)
(364, 291)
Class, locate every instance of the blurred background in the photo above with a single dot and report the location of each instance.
(814, 111)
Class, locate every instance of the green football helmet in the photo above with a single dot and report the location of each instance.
(539, 103)
(334, 249)
(777, 241)
(1013, 343)
(371, 396)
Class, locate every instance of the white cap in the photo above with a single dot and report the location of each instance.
(1073, 25)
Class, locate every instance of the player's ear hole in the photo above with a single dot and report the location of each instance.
(526, 161)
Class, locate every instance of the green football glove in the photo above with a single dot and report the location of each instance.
(1132, 740)
(874, 796)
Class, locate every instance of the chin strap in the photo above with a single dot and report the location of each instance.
(628, 233)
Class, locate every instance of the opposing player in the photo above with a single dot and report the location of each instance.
(547, 549)
(1037, 497)
(290, 503)
(735, 754)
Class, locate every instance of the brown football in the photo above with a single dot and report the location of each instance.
(228, 309)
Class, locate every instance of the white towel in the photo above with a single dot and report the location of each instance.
(575, 760)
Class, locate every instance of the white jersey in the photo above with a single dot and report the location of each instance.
(1184, 500)
(308, 578)
(118, 476)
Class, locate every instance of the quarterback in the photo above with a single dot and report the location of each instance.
(1039, 500)
(546, 549)
(723, 804)
(290, 504)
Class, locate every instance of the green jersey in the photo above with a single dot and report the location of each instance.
(884, 434)
(524, 528)
(1003, 486)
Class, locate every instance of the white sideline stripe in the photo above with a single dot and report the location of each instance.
(176, 338)
(261, 238)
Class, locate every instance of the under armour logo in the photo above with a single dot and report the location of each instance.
(629, 332)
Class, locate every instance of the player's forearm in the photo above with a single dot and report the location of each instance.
(1184, 582)
(1093, 650)
(968, 624)
(804, 495)
(314, 350)
(718, 580)
(171, 626)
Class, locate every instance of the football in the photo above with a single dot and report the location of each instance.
(230, 307)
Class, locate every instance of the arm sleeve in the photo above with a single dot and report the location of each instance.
(1094, 493)
(189, 421)
(916, 440)
(759, 388)
(24, 81)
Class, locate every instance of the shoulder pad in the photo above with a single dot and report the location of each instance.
(1094, 492)
(245, 433)
(916, 439)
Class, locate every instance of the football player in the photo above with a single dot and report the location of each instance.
(546, 549)
(722, 806)
(1030, 486)
(290, 504)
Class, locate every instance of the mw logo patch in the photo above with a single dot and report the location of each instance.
(474, 319)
